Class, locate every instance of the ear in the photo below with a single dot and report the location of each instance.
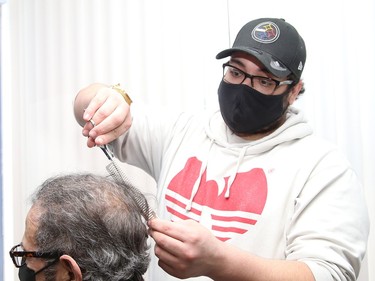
(294, 92)
(71, 268)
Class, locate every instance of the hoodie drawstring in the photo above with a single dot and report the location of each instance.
(234, 174)
(198, 181)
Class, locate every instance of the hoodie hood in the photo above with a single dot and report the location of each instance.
(295, 127)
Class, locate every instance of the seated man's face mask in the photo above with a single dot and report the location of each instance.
(26, 274)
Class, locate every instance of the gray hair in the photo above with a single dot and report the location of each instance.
(96, 221)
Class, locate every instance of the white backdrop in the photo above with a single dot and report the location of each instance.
(163, 53)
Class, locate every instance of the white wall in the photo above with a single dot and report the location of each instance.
(163, 53)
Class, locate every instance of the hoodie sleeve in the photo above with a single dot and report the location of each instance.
(329, 227)
(144, 145)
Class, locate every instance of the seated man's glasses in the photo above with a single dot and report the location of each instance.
(265, 85)
(19, 256)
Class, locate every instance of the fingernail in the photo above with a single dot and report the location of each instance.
(85, 133)
(86, 116)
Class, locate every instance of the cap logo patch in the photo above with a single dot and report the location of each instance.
(278, 66)
(266, 32)
(300, 66)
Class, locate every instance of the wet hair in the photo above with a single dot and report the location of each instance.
(94, 220)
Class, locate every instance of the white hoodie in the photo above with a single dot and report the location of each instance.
(286, 196)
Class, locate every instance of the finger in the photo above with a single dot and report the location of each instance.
(91, 142)
(167, 248)
(109, 122)
(110, 116)
(88, 127)
(97, 101)
(92, 122)
(177, 230)
(107, 138)
(110, 134)
(105, 106)
(163, 240)
(164, 255)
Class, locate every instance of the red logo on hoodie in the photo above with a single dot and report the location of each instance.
(227, 217)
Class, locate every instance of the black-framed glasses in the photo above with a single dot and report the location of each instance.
(265, 85)
(18, 256)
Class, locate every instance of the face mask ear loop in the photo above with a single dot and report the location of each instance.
(48, 265)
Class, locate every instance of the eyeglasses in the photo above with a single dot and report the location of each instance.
(265, 85)
(19, 256)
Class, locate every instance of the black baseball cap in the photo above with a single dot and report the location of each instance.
(275, 43)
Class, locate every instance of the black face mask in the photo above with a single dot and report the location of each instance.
(26, 274)
(247, 111)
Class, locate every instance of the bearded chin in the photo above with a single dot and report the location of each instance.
(267, 128)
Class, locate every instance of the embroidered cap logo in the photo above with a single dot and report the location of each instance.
(266, 32)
